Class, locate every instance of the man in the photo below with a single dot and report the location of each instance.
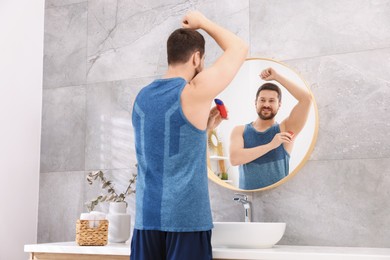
(170, 118)
(262, 148)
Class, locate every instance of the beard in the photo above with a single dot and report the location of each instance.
(266, 114)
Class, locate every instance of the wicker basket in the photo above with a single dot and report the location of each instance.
(87, 236)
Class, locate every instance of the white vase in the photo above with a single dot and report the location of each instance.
(118, 223)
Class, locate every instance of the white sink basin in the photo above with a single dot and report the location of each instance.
(247, 234)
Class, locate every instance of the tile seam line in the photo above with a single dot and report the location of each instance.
(334, 54)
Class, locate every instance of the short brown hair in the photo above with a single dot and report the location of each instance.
(270, 86)
(182, 43)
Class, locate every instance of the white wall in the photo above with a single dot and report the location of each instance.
(21, 65)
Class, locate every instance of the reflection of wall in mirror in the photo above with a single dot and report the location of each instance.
(218, 160)
(239, 99)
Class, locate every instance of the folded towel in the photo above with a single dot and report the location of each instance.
(93, 217)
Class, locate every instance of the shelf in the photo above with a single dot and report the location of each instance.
(217, 158)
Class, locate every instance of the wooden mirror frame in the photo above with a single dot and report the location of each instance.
(212, 176)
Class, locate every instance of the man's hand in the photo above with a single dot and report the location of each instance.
(193, 20)
(280, 138)
(269, 74)
(214, 120)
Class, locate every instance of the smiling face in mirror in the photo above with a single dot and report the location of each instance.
(271, 129)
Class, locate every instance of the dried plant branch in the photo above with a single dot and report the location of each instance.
(107, 185)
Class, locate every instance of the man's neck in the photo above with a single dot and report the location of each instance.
(262, 125)
(182, 71)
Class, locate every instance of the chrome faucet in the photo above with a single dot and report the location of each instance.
(243, 199)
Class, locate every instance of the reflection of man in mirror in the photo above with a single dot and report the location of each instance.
(262, 148)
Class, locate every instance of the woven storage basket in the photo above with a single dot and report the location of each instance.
(95, 236)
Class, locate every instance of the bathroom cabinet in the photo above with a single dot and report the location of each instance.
(71, 251)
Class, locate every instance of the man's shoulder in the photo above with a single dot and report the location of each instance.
(239, 128)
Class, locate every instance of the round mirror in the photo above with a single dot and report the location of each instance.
(240, 100)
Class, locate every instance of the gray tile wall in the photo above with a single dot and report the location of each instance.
(99, 54)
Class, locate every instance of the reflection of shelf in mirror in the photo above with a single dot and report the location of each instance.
(216, 157)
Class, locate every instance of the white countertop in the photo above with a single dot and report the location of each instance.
(275, 253)
(304, 253)
(74, 248)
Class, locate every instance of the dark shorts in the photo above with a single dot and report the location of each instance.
(161, 245)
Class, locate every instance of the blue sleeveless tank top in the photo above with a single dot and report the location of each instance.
(172, 184)
(267, 169)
